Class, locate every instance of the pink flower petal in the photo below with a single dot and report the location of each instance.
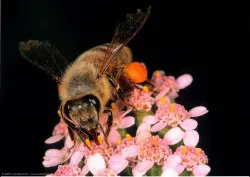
(68, 142)
(143, 127)
(127, 122)
(76, 157)
(189, 124)
(142, 136)
(161, 94)
(85, 170)
(198, 111)
(54, 153)
(173, 94)
(159, 126)
(184, 80)
(149, 120)
(191, 138)
(169, 173)
(96, 163)
(54, 139)
(174, 135)
(113, 137)
(180, 168)
(126, 112)
(172, 161)
(201, 170)
(130, 151)
(117, 163)
(52, 162)
(142, 167)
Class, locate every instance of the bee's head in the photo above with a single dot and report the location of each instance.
(83, 111)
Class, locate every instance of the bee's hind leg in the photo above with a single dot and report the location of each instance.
(118, 89)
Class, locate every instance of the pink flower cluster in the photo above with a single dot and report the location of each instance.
(165, 139)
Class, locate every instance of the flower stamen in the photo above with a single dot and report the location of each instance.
(119, 142)
(145, 88)
(157, 74)
(184, 150)
(171, 107)
(114, 107)
(198, 151)
(128, 137)
(163, 100)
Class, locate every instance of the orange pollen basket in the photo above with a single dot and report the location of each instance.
(136, 72)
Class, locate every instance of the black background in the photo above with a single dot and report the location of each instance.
(204, 39)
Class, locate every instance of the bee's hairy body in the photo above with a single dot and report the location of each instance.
(80, 79)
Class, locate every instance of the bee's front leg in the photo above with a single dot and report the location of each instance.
(109, 121)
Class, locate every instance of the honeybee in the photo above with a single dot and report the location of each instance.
(86, 85)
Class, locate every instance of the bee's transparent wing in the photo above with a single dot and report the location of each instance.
(45, 56)
(124, 32)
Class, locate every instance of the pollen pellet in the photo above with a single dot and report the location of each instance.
(99, 139)
(88, 143)
(136, 72)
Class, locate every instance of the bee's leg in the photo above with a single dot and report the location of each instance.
(105, 137)
(118, 89)
(145, 83)
(118, 71)
(109, 121)
(83, 136)
(72, 137)
(72, 129)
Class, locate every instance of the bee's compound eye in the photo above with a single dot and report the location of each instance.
(66, 109)
(137, 72)
(92, 101)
